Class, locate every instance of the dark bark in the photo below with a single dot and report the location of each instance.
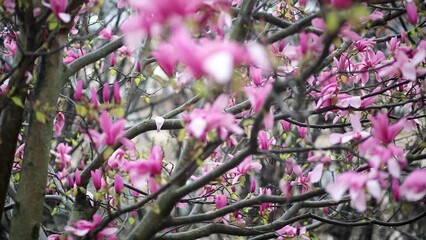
(28, 208)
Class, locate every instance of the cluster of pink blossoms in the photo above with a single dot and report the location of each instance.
(142, 170)
(212, 117)
(385, 160)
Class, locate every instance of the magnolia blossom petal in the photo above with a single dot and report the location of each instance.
(335, 138)
(65, 17)
(373, 187)
(337, 189)
(197, 127)
(358, 200)
(411, 7)
(268, 120)
(220, 66)
(316, 173)
(77, 232)
(159, 121)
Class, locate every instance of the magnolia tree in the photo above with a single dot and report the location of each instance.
(192, 118)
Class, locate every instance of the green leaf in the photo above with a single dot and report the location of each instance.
(139, 79)
(156, 208)
(53, 23)
(81, 110)
(182, 134)
(112, 71)
(200, 88)
(17, 100)
(41, 117)
(108, 152)
(357, 12)
(55, 209)
(117, 112)
(332, 22)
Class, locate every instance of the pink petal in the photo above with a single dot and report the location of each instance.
(316, 173)
(197, 127)
(220, 66)
(411, 7)
(159, 121)
(373, 187)
(65, 17)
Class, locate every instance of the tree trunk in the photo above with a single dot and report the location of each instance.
(28, 209)
(11, 117)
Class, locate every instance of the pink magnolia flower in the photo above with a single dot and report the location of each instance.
(140, 170)
(9, 5)
(380, 156)
(72, 55)
(257, 95)
(291, 232)
(19, 153)
(62, 156)
(116, 93)
(414, 186)
(138, 66)
(396, 189)
(105, 93)
(220, 201)
(165, 59)
(370, 60)
(153, 185)
(59, 123)
(58, 8)
(97, 179)
(364, 44)
(286, 125)
(77, 177)
(54, 237)
(253, 185)
(268, 119)
(10, 45)
(303, 181)
(78, 92)
(112, 60)
(205, 57)
(265, 206)
(244, 167)
(394, 46)
(256, 76)
(117, 159)
(111, 132)
(330, 95)
(106, 33)
(212, 117)
(4, 87)
(411, 7)
(404, 64)
(356, 183)
(82, 227)
(345, 30)
(341, 3)
(316, 173)
(121, 4)
(381, 129)
(302, 131)
(356, 134)
(285, 188)
(118, 183)
(94, 97)
(264, 140)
